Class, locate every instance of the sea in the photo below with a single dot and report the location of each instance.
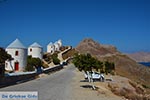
(147, 64)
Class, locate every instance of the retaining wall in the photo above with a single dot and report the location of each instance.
(14, 79)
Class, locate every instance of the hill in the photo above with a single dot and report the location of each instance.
(124, 65)
(140, 56)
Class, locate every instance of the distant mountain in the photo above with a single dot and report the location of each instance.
(125, 66)
(140, 56)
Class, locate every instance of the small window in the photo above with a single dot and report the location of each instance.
(16, 53)
(30, 50)
(6, 65)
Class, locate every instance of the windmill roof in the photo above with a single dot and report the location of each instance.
(56, 43)
(50, 43)
(35, 45)
(16, 44)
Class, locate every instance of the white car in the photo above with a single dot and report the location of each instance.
(94, 76)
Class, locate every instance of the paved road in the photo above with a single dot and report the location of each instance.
(56, 86)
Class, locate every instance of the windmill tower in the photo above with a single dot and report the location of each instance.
(35, 50)
(19, 54)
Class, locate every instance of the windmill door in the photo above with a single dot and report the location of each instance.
(16, 66)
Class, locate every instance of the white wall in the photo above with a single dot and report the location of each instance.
(36, 52)
(57, 48)
(60, 43)
(21, 58)
(50, 49)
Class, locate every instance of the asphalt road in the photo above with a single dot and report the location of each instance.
(56, 86)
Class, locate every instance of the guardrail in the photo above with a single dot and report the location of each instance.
(53, 69)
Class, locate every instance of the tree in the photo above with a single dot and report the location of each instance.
(33, 63)
(99, 66)
(3, 57)
(85, 62)
(80, 62)
(109, 67)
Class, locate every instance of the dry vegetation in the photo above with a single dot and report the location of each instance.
(63, 48)
(70, 53)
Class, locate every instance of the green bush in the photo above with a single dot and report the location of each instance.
(55, 59)
(4, 56)
(29, 68)
(33, 63)
(109, 67)
(86, 62)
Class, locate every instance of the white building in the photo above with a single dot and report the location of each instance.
(57, 47)
(35, 50)
(60, 43)
(50, 48)
(19, 54)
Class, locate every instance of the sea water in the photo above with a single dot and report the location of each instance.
(147, 64)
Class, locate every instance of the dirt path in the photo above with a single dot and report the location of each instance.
(83, 91)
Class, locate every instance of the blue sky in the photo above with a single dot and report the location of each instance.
(122, 23)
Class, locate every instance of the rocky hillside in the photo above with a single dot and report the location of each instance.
(90, 46)
(125, 66)
(140, 56)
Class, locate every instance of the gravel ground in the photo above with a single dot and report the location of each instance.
(83, 90)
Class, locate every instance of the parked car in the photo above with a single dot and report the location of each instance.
(94, 76)
(63, 63)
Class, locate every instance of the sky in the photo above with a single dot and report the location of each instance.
(122, 23)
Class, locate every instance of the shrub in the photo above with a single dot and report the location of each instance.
(56, 61)
(33, 63)
(86, 62)
(29, 68)
(109, 67)
(4, 56)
